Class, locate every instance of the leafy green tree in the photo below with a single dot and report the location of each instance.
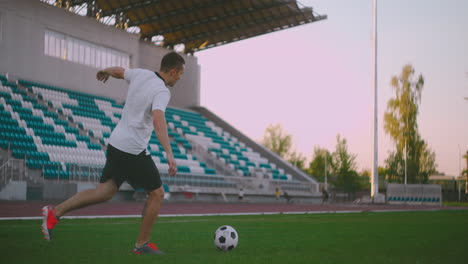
(465, 172)
(317, 164)
(277, 140)
(364, 179)
(344, 167)
(400, 122)
(297, 159)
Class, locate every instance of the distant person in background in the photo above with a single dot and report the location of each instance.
(287, 197)
(325, 196)
(277, 193)
(127, 155)
(241, 194)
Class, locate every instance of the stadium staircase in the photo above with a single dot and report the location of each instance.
(269, 170)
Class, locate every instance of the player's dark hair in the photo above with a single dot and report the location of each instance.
(170, 61)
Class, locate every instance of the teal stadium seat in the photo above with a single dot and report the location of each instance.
(95, 114)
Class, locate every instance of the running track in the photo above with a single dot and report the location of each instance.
(33, 208)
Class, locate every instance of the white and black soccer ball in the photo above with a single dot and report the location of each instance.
(226, 238)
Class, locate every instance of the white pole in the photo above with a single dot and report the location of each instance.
(459, 161)
(406, 166)
(375, 171)
(459, 173)
(326, 180)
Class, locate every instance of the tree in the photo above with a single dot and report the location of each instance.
(277, 140)
(395, 167)
(427, 162)
(400, 122)
(317, 164)
(297, 159)
(344, 167)
(465, 172)
(364, 179)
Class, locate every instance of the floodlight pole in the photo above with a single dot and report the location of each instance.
(326, 178)
(459, 173)
(406, 166)
(375, 171)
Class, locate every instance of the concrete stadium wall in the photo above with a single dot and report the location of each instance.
(58, 190)
(187, 91)
(14, 190)
(22, 27)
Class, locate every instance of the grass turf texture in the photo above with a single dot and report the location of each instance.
(464, 204)
(406, 237)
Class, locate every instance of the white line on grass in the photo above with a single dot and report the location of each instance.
(224, 214)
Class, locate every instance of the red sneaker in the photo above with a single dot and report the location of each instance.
(147, 248)
(49, 220)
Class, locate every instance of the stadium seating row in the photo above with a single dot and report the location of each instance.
(222, 145)
(55, 130)
(99, 115)
(413, 193)
(33, 131)
(413, 199)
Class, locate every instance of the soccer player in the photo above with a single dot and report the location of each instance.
(127, 155)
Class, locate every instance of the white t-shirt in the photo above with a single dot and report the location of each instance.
(146, 92)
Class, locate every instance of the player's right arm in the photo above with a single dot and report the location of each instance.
(160, 127)
(116, 72)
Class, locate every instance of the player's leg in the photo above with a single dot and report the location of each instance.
(147, 176)
(113, 175)
(150, 214)
(103, 192)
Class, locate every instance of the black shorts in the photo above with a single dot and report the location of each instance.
(138, 170)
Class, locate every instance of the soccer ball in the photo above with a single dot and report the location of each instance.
(226, 238)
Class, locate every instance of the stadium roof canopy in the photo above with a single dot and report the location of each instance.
(198, 24)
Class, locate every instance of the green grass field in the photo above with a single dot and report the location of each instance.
(455, 204)
(406, 237)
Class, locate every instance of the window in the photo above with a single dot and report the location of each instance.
(87, 56)
(98, 58)
(76, 51)
(69, 50)
(51, 45)
(63, 49)
(108, 59)
(57, 47)
(1, 27)
(103, 59)
(46, 44)
(79, 51)
(82, 53)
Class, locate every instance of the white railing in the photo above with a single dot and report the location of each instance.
(75, 172)
(12, 170)
(211, 161)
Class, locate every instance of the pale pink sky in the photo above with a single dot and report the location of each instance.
(315, 80)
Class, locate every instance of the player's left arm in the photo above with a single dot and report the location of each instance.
(160, 127)
(116, 72)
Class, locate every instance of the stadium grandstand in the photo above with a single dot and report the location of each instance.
(55, 118)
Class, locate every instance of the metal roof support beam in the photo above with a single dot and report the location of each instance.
(239, 27)
(121, 21)
(296, 23)
(131, 6)
(92, 9)
(159, 18)
(231, 14)
(78, 2)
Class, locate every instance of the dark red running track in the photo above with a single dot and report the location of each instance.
(33, 208)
